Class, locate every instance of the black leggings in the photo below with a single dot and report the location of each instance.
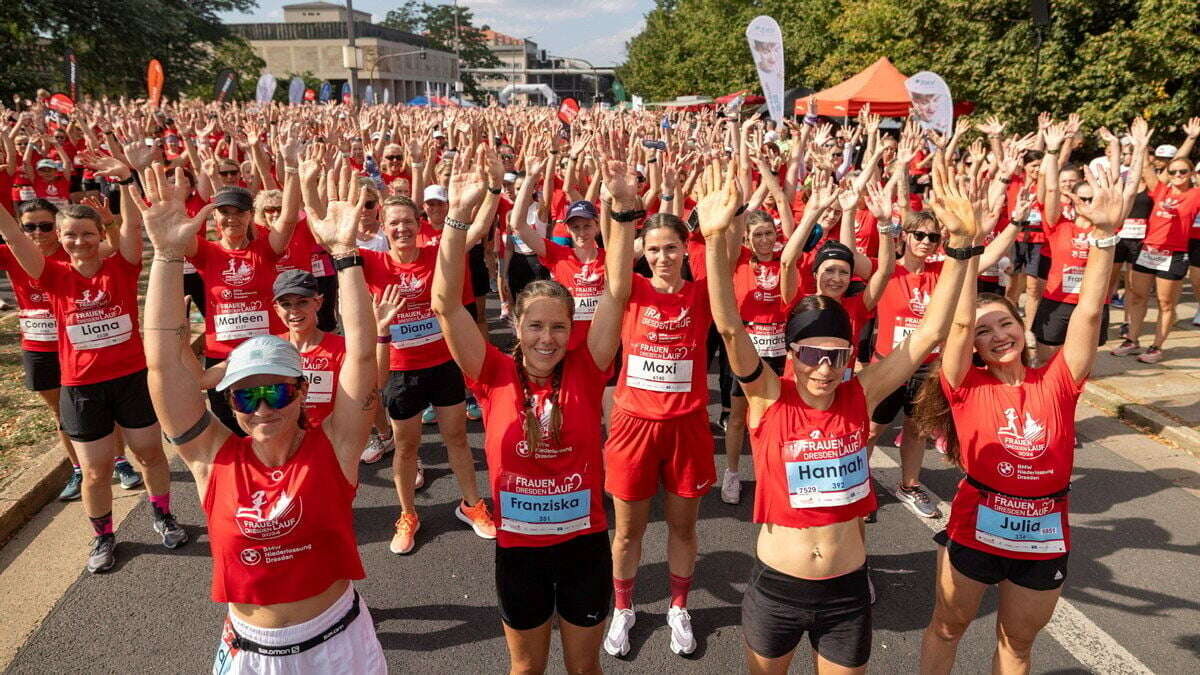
(716, 347)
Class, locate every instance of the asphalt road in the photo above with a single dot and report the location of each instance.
(1132, 599)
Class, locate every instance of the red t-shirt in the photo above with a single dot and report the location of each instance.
(302, 252)
(811, 465)
(6, 191)
(1019, 441)
(39, 330)
(279, 533)
(585, 281)
(321, 366)
(555, 492)
(57, 191)
(239, 287)
(1068, 240)
(1170, 223)
(663, 339)
(97, 320)
(902, 306)
(417, 340)
(866, 233)
(760, 304)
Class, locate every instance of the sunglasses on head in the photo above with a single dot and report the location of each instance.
(38, 227)
(1179, 172)
(394, 158)
(276, 396)
(933, 237)
(836, 357)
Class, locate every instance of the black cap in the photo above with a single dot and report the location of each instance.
(237, 197)
(833, 250)
(295, 282)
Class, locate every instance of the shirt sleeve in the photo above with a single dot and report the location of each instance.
(491, 374)
(1058, 375)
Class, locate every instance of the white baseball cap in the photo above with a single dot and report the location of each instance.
(1165, 151)
(435, 193)
(261, 355)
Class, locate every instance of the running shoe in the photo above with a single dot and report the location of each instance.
(917, 499)
(129, 477)
(420, 481)
(73, 489)
(731, 487)
(939, 442)
(473, 412)
(1127, 347)
(377, 447)
(872, 517)
(616, 640)
(429, 416)
(103, 554)
(173, 536)
(682, 640)
(723, 422)
(1152, 355)
(1118, 301)
(406, 533)
(479, 517)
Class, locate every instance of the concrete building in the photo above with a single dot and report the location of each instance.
(523, 63)
(311, 38)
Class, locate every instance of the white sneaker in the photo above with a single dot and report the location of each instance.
(377, 448)
(616, 640)
(682, 640)
(731, 487)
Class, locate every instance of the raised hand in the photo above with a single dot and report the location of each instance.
(879, 202)
(104, 165)
(467, 183)
(952, 205)
(140, 155)
(720, 200)
(170, 230)
(388, 304)
(1107, 209)
(100, 206)
(992, 126)
(1192, 127)
(335, 229)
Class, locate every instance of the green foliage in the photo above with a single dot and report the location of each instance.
(113, 41)
(438, 22)
(233, 53)
(1106, 59)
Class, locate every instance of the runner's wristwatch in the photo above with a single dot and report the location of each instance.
(1107, 242)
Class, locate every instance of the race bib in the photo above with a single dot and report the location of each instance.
(823, 478)
(1021, 525)
(1196, 222)
(238, 325)
(767, 338)
(320, 386)
(901, 334)
(585, 307)
(653, 374)
(98, 334)
(1155, 259)
(188, 268)
(1072, 279)
(318, 266)
(420, 330)
(1135, 228)
(544, 505)
(40, 327)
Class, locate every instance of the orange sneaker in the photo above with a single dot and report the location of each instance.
(406, 533)
(479, 517)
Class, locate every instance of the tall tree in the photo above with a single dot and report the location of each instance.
(439, 24)
(113, 40)
(1107, 59)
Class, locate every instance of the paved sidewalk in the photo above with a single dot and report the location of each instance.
(1169, 389)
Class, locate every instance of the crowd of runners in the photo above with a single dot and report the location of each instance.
(343, 260)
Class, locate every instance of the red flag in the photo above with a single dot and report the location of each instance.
(154, 82)
(568, 110)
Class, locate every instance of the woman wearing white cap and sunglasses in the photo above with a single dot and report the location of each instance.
(278, 502)
(809, 438)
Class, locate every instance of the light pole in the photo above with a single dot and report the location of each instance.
(375, 63)
(350, 39)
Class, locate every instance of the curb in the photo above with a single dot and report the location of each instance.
(1187, 438)
(31, 490)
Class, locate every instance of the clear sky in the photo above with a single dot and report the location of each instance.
(595, 30)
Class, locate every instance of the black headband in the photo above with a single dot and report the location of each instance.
(832, 321)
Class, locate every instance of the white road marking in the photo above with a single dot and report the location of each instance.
(1098, 651)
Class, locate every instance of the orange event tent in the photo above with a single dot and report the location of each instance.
(881, 85)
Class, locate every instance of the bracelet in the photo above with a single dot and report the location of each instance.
(291, 169)
(127, 181)
(192, 432)
(666, 198)
(180, 259)
(964, 253)
(1107, 242)
(891, 229)
(741, 209)
(348, 261)
(417, 165)
(649, 161)
(629, 216)
(456, 224)
(383, 339)
(554, 152)
(494, 191)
